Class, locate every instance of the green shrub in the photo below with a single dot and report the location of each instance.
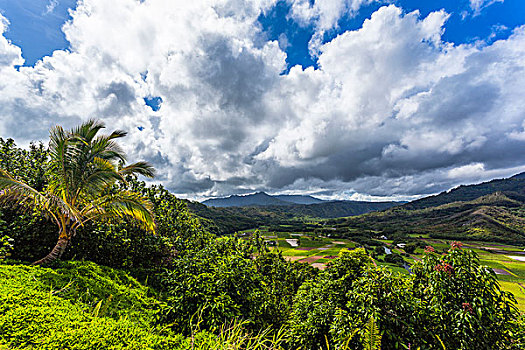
(215, 284)
(6, 246)
(318, 301)
(224, 281)
(395, 258)
(462, 302)
(280, 280)
(410, 248)
(449, 299)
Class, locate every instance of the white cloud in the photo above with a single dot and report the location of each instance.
(392, 109)
(50, 7)
(325, 13)
(324, 16)
(478, 5)
(10, 55)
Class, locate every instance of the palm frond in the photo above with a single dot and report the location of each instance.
(76, 157)
(17, 194)
(104, 147)
(65, 151)
(141, 168)
(97, 178)
(88, 130)
(121, 205)
(117, 134)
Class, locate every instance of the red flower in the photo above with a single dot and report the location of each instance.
(429, 249)
(467, 307)
(456, 245)
(444, 267)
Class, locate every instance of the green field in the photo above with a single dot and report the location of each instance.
(510, 272)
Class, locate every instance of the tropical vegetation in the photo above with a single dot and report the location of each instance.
(140, 271)
(81, 170)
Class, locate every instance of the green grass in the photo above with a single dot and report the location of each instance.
(293, 252)
(33, 314)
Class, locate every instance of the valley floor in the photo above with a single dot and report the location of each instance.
(507, 261)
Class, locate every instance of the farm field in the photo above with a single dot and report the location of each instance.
(507, 261)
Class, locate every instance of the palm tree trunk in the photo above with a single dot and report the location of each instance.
(55, 254)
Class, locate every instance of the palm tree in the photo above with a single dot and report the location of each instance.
(82, 170)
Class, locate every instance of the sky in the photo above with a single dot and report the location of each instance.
(340, 99)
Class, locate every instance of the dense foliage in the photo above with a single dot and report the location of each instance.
(449, 298)
(222, 282)
(118, 243)
(83, 166)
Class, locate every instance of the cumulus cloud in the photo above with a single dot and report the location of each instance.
(392, 110)
(10, 55)
(324, 15)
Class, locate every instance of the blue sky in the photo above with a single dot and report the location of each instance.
(36, 24)
(343, 99)
(464, 26)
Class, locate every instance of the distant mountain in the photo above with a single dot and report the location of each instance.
(232, 219)
(519, 176)
(333, 209)
(256, 199)
(515, 184)
(298, 199)
(490, 211)
(259, 199)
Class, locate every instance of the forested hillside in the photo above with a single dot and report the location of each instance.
(491, 211)
(512, 187)
(232, 219)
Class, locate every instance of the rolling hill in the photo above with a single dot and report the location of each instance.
(490, 211)
(513, 185)
(232, 219)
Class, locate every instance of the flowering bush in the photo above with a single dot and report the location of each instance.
(462, 301)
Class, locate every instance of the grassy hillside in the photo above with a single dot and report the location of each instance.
(84, 306)
(513, 187)
(78, 306)
(493, 217)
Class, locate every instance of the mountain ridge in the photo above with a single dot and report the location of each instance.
(489, 211)
(254, 199)
(222, 220)
(260, 199)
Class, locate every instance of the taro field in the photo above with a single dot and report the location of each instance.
(507, 261)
